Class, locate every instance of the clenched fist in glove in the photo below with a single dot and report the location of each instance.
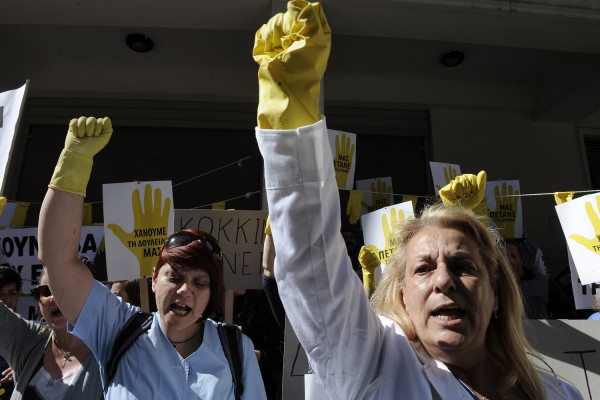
(465, 190)
(86, 137)
(292, 50)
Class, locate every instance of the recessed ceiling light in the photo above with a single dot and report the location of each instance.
(139, 42)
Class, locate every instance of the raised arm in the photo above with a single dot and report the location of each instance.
(59, 228)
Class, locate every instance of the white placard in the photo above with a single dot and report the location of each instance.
(378, 227)
(442, 174)
(580, 221)
(240, 234)
(138, 217)
(378, 193)
(11, 107)
(19, 250)
(343, 149)
(504, 204)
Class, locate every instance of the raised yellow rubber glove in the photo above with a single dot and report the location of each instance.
(268, 226)
(465, 190)
(85, 138)
(505, 214)
(369, 263)
(153, 218)
(292, 50)
(563, 197)
(353, 207)
(342, 160)
(592, 244)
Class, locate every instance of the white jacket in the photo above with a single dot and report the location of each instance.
(355, 354)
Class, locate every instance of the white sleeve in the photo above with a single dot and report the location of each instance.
(322, 295)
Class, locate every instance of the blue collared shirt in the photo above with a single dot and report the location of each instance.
(151, 368)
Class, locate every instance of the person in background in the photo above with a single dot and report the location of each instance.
(129, 291)
(48, 362)
(596, 315)
(447, 318)
(10, 286)
(535, 287)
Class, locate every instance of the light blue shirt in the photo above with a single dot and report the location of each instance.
(151, 368)
(595, 316)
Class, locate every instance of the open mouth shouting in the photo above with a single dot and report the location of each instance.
(180, 309)
(448, 313)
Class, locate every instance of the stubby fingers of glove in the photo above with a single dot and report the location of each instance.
(465, 190)
(292, 50)
(369, 262)
(85, 138)
(563, 197)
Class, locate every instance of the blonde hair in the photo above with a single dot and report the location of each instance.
(505, 338)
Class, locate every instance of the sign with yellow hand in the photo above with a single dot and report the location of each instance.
(241, 235)
(138, 217)
(378, 227)
(14, 214)
(378, 193)
(504, 207)
(19, 250)
(442, 174)
(11, 106)
(343, 148)
(580, 221)
(584, 295)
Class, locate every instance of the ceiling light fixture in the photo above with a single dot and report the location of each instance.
(139, 42)
(452, 58)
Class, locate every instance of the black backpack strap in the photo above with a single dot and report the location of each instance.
(137, 324)
(233, 347)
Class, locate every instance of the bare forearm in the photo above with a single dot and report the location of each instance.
(59, 235)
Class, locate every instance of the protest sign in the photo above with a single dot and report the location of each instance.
(504, 207)
(442, 174)
(378, 193)
(134, 234)
(240, 235)
(378, 227)
(11, 107)
(585, 296)
(343, 149)
(580, 223)
(19, 250)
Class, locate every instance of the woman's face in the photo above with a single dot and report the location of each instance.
(49, 309)
(181, 298)
(447, 293)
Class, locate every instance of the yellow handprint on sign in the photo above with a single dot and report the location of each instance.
(449, 174)
(344, 154)
(592, 244)
(506, 210)
(353, 207)
(380, 196)
(150, 228)
(483, 210)
(388, 230)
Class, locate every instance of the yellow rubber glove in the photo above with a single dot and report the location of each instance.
(353, 207)
(483, 210)
(219, 205)
(292, 50)
(2, 204)
(592, 244)
(268, 226)
(147, 248)
(85, 138)
(381, 196)
(449, 174)
(506, 210)
(342, 162)
(465, 190)
(369, 263)
(563, 197)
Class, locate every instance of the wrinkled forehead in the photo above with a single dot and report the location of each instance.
(437, 241)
